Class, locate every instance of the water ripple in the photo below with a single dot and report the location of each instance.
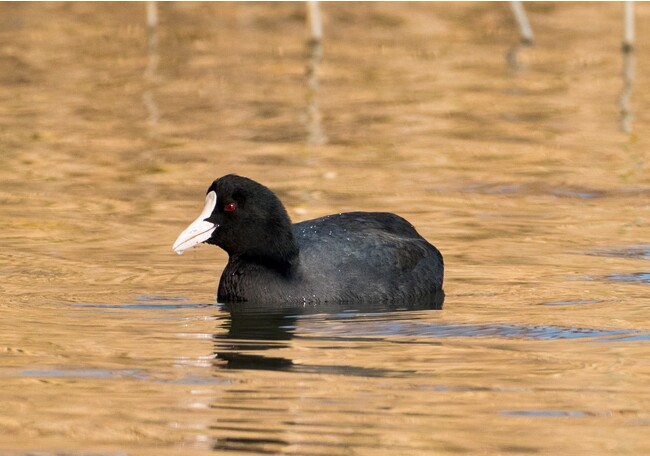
(448, 330)
(641, 252)
(147, 306)
(545, 413)
(634, 277)
(115, 374)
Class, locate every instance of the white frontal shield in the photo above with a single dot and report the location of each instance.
(199, 230)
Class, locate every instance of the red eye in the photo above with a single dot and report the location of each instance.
(230, 207)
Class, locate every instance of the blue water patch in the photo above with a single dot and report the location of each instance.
(149, 298)
(542, 332)
(578, 193)
(634, 277)
(632, 338)
(381, 328)
(641, 251)
(85, 373)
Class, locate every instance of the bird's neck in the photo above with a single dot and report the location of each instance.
(244, 271)
(279, 253)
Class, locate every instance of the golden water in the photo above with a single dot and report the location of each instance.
(110, 132)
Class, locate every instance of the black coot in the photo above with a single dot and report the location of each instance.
(354, 257)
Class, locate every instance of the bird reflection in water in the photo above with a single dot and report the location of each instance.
(248, 330)
(251, 328)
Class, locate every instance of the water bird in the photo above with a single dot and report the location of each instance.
(353, 257)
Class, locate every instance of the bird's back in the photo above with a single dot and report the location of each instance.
(364, 256)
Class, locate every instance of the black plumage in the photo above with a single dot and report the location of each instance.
(355, 257)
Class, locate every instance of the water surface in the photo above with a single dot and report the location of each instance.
(111, 130)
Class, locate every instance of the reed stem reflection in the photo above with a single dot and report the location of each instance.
(153, 58)
(526, 36)
(525, 30)
(315, 132)
(628, 68)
